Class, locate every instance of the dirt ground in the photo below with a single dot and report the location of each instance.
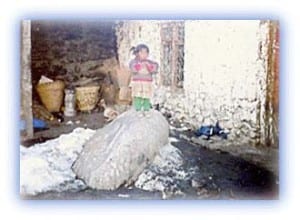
(217, 174)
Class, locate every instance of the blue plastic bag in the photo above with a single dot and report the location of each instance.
(37, 123)
(211, 130)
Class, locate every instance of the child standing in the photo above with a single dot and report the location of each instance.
(142, 70)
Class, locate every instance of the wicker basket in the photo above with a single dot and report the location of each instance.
(51, 95)
(87, 97)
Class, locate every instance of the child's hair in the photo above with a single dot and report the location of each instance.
(138, 48)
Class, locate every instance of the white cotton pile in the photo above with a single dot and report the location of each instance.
(165, 173)
(172, 139)
(47, 166)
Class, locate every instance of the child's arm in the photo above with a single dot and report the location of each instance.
(135, 66)
(152, 66)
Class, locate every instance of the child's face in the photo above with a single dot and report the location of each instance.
(143, 54)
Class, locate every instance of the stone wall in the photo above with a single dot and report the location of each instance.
(72, 49)
(225, 78)
(225, 74)
(225, 67)
(133, 32)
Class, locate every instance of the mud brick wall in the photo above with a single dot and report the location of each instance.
(72, 50)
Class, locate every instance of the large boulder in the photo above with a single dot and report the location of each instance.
(119, 152)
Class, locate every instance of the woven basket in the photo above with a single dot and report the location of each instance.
(51, 95)
(87, 97)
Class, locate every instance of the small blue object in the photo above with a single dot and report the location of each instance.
(37, 123)
(211, 130)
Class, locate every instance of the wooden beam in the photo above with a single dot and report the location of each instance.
(26, 85)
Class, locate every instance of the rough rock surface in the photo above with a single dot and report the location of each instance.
(118, 153)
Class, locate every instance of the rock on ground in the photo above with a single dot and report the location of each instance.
(119, 152)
